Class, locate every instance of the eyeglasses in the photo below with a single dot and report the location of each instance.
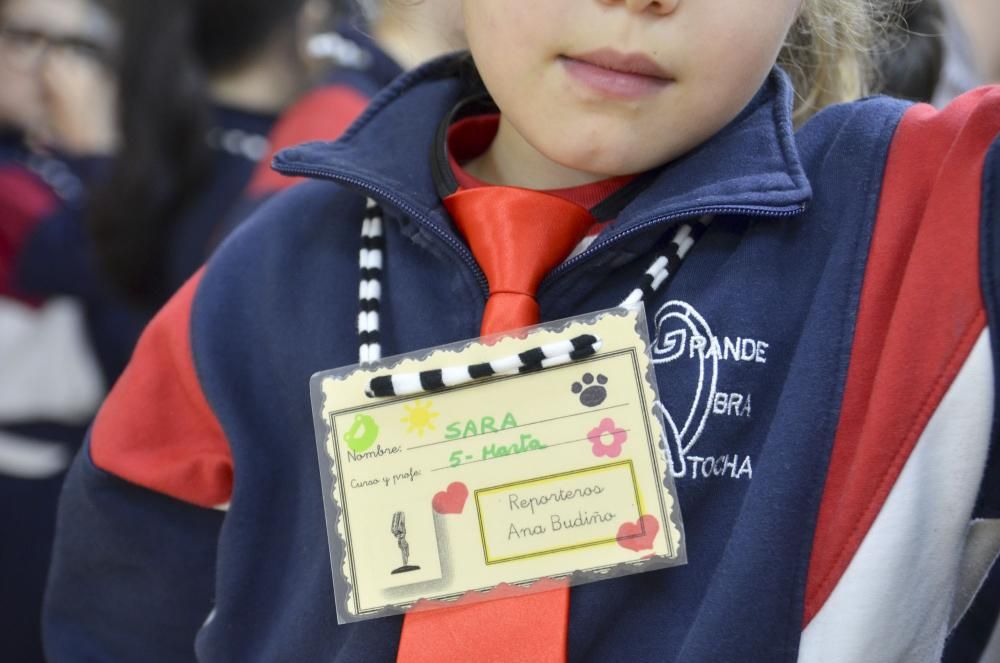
(24, 48)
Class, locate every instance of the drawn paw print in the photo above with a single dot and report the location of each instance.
(591, 395)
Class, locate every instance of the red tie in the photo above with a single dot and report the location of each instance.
(517, 236)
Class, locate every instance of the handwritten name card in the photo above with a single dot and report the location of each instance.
(512, 479)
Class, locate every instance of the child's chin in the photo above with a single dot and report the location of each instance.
(610, 163)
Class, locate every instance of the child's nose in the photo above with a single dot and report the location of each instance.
(661, 7)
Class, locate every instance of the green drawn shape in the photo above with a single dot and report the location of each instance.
(362, 433)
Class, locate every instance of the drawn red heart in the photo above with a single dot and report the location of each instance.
(451, 500)
(632, 536)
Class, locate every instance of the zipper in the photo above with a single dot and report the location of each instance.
(470, 261)
(593, 249)
(380, 192)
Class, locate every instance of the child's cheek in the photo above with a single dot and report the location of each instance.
(505, 25)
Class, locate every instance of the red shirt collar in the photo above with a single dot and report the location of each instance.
(472, 136)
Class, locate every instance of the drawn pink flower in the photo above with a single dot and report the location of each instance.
(607, 429)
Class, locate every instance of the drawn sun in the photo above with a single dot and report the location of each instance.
(419, 417)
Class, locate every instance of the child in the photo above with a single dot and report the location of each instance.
(825, 503)
(392, 37)
(42, 422)
(397, 36)
(201, 86)
(35, 180)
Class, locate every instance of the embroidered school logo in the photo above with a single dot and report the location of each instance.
(685, 341)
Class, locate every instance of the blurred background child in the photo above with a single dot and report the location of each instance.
(54, 55)
(376, 43)
(201, 84)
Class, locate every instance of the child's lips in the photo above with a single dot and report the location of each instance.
(616, 74)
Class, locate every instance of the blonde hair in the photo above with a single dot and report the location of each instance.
(829, 52)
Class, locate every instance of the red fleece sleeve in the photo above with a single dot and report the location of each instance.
(156, 429)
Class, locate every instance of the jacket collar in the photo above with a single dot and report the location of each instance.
(751, 167)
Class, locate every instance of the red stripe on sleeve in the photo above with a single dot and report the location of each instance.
(320, 115)
(156, 428)
(921, 311)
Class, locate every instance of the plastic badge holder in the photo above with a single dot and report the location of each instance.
(518, 482)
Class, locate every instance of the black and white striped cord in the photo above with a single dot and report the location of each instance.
(660, 272)
(370, 290)
(544, 356)
(666, 265)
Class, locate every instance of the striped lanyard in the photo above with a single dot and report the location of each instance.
(659, 273)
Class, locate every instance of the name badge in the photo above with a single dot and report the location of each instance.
(506, 463)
